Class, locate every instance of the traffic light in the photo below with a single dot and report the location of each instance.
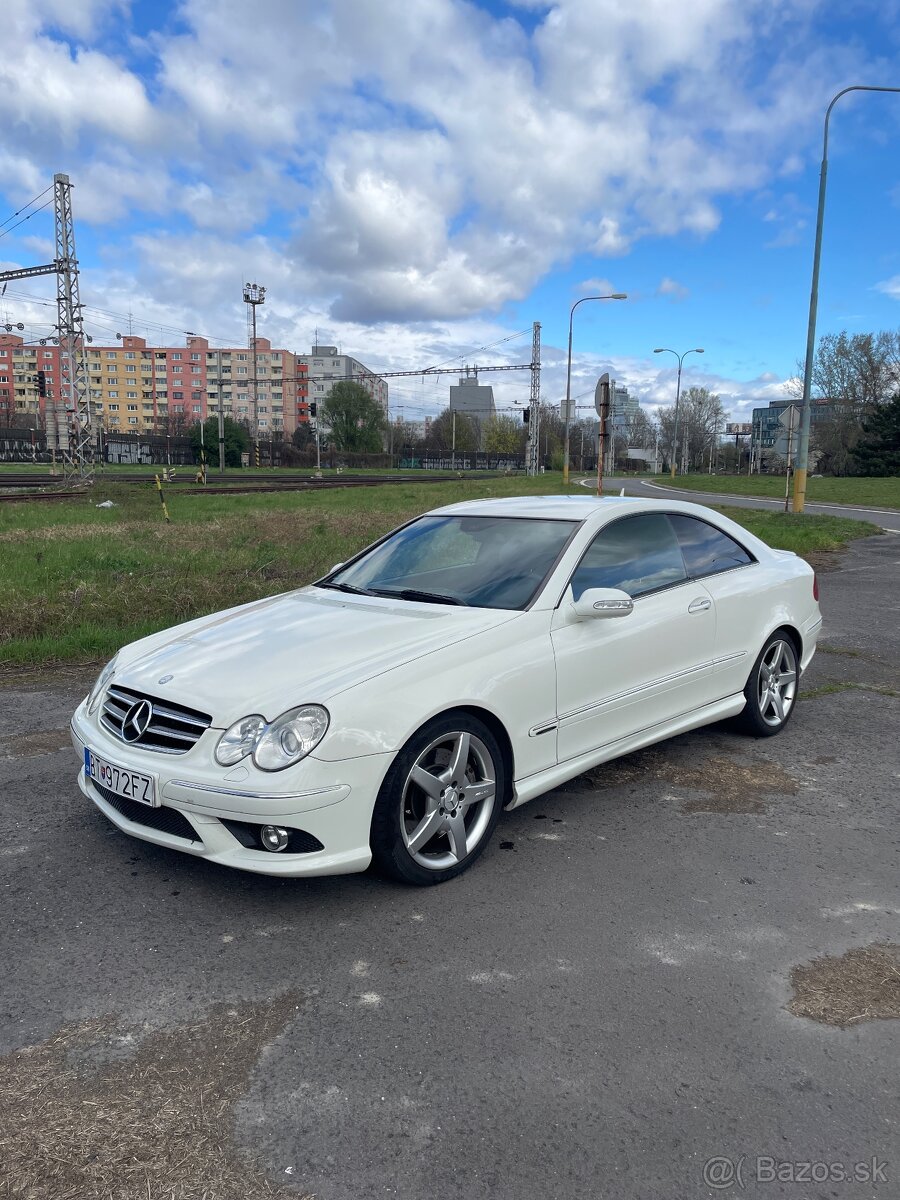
(312, 409)
(42, 383)
(526, 415)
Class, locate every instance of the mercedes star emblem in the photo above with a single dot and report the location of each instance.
(136, 720)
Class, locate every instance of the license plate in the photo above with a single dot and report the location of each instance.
(132, 785)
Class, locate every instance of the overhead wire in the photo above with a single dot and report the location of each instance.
(24, 219)
(466, 353)
(18, 211)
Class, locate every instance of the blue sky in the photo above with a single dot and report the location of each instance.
(419, 180)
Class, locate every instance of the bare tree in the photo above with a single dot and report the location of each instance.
(701, 417)
(853, 374)
(642, 431)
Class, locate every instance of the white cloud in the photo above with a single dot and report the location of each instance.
(672, 288)
(427, 163)
(890, 287)
(58, 94)
(596, 287)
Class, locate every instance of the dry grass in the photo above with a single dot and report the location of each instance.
(79, 582)
(87, 1116)
(32, 745)
(81, 596)
(729, 786)
(861, 985)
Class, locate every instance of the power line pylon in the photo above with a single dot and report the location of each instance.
(77, 435)
(73, 406)
(532, 454)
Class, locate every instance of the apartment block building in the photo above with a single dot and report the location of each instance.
(139, 388)
(325, 366)
(278, 401)
(19, 364)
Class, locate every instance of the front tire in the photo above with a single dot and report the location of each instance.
(440, 801)
(771, 690)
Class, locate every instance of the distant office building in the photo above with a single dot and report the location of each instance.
(624, 408)
(472, 398)
(325, 366)
(769, 435)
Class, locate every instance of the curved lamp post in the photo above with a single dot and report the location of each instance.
(803, 442)
(681, 358)
(612, 296)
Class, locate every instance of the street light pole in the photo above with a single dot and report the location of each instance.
(681, 358)
(803, 442)
(612, 296)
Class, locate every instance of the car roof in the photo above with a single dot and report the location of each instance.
(582, 508)
(570, 508)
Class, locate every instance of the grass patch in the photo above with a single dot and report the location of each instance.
(99, 1113)
(832, 689)
(79, 581)
(719, 785)
(803, 533)
(877, 493)
(861, 985)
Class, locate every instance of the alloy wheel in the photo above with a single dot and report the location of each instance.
(777, 683)
(448, 800)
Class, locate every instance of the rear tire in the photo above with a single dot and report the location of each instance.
(440, 801)
(771, 690)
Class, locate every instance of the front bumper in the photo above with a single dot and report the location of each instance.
(332, 801)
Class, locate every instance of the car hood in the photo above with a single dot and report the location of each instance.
(301, 647)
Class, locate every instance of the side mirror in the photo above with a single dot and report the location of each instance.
(602, 602)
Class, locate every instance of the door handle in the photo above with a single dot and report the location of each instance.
(701, 604)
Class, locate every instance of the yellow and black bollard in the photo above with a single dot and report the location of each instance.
(162, 498)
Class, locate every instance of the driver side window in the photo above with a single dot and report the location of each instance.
(637, 554)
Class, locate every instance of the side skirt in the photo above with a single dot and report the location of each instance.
(536, 785)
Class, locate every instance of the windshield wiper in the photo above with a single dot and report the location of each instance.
(415, 594)
(346, 587)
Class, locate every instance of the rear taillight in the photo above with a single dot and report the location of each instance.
(815, 587)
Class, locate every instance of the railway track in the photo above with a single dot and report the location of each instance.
(184, 475)
(245, 487)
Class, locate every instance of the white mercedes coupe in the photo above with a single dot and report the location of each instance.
(467, 662)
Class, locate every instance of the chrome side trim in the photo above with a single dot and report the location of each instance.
(717, 662)
(638, 691)
(546, 727)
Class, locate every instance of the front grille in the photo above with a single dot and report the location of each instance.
(166, 820)
(172, 728)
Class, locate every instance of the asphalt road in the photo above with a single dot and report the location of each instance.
(596, 1010)
(885, 518)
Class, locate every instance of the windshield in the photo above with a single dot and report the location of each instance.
(486, 562)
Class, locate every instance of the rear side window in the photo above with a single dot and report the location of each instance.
(707, 550)
(637, 554)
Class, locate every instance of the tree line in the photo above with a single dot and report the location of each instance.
(859, 376)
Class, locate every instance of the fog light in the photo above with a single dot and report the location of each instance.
(274, 838)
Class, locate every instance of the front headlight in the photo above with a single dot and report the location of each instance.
(102, 680)
(291, 737)
(284, 742)
(239, 741)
